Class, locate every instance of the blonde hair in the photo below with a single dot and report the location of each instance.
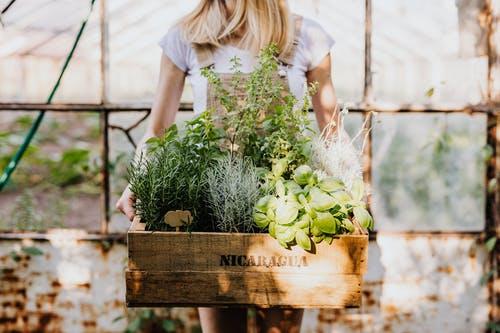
(262, 22)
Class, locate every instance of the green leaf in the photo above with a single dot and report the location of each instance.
(429, 92)
(315, 231)
(146, 314)
(260, 219)
(330, 184)
(302, 199)
(292, 186)
(326, 223)
(279, 167)
(494, 326)
(487, 152)
(318, 239)
(168, 325)
(153, 142)
(363, 217)
(271, 215)
(303, 174)
(264, 203)
(342, 197)
(358, 189)
(348, 225)
(135, 324)
(32, 250)
(272, 229)
(306, 150)
(292, 198)
(328, 239)
(15, 256)
(283, 244)
(286, 213)
(320, 201)
(303, 240)
(118, 318)
(285, 234)
(280, 189)
(486, 277)
(262, 172)
(490, 243)
(303, 222)
(196, 329)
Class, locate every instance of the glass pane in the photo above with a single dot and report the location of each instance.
(428, 172)
(429, 52)
(57, 182)
(135, 28)
(344, 20)
(36, 38)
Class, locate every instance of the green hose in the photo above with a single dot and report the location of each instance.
(34, 127)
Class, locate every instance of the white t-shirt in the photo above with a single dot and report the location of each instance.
(314, 44)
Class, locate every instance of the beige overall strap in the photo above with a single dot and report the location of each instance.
(289, 54)
(204, 54)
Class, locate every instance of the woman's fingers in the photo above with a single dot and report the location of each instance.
(125, 204)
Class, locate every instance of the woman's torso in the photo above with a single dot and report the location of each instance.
(313, 45)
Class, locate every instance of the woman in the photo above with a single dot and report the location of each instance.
(211, 35)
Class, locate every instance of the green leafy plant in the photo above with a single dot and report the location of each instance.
(267, 124)
(25, 251)
(305, 209)
(213, 170)
(232, 191)
(170, 174)
(73, 164)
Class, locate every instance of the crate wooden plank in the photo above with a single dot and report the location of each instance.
(222, 252)
(211, 269)
(243, 289)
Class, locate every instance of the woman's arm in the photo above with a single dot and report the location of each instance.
(167, 99)
(325, 100)
(165, 105)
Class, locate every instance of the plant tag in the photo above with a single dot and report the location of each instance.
(178, 218)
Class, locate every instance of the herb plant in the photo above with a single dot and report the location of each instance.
(305, 210)
(232, 191)
(335, 154)
(170, 174)
(268, 124)
(247, 168)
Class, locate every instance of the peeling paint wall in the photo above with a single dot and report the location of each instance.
(427, 282)
(74, 286)
(415, 284)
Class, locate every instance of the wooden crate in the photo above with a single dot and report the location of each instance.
(219, 269)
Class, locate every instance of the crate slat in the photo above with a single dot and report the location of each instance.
(291, 290)
(237, 269)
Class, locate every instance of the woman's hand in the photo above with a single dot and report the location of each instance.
(125, 204)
